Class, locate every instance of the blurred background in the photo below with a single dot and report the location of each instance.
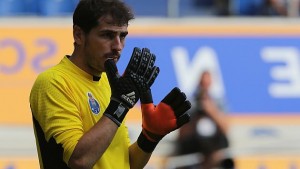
(251, 47)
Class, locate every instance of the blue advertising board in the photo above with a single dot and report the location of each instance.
(254, 74)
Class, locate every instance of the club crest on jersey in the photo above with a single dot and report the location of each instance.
(93, 103)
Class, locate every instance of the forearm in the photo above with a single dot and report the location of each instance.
(215, 114)
(138, 158)
(93, 144)
(220, 120)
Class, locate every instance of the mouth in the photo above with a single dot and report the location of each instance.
(115, 58)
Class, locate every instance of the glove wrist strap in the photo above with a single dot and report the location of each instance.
(145, 144)
(116, 111)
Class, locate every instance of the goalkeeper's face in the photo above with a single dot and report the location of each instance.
(103, 42)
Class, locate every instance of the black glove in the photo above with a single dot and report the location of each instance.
(124, 93)
(142, 71)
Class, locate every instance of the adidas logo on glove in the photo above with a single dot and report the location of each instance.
(130, 97)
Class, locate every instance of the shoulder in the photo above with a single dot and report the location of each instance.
(51, 75)
(50, 79)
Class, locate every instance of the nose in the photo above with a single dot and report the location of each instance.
(117, 44)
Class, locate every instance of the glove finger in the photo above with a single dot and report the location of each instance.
(153, 76)
(183, 120)
(134, 61)
(177, 103)
(171, 96)
(111, 71)
(145, 59)
(150, 65)
(183, 108)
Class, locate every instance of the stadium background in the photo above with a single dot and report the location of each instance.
(255, 63)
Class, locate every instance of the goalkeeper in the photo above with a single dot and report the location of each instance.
(78, 106)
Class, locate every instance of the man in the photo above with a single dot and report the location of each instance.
(207, 132)
(79, 105)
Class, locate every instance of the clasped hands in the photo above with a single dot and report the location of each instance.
(136, 81)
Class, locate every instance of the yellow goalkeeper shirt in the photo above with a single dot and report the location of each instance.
(66, 102)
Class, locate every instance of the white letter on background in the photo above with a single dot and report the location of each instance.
(289, 72)
(188, 72)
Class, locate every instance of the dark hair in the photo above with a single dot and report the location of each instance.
(88, 12)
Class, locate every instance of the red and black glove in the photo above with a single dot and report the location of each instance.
(124, 93)
(169, 115)
(143, 72)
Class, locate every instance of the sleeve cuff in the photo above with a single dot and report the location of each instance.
(145, 144)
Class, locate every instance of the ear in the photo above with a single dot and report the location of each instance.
(78, 35)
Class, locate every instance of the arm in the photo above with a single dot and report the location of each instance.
(91, 146)
(94, 143)
(138, 158)
(159, 120)
(215, 113)
(143, 73)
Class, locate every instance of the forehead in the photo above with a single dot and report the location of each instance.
(107, 22)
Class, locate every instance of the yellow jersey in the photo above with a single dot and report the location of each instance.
(66, 102)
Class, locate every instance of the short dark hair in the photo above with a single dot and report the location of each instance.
(88, 12)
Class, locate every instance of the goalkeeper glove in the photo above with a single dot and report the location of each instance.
(124, 93)
(142, 71)
(169, 115)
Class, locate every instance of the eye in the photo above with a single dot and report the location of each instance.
(123, 35)
(108, 35)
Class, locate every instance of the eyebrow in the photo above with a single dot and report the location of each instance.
(112, 31)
